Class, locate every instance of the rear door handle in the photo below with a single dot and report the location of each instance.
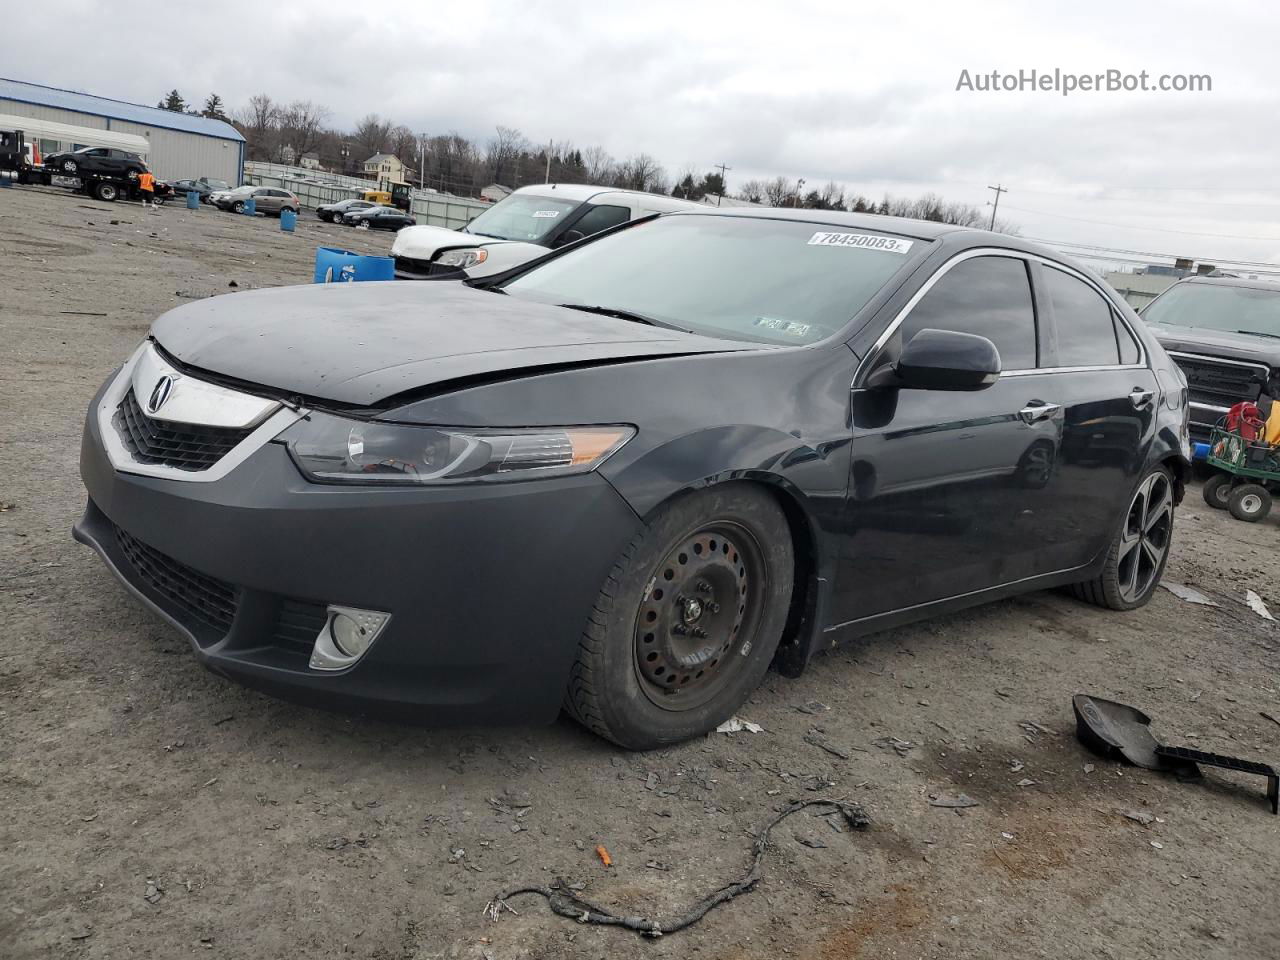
(1038, 410)
(1140, 398)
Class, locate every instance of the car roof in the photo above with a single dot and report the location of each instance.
(957, 236)
(582, 192)
(1233, 282)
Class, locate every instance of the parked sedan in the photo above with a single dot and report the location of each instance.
(378, 218)
(204, 186)
(334, 211)
(632, 475)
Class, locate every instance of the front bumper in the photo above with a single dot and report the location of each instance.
(488, 586)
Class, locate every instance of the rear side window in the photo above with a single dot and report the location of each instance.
(601, 218)
(1085, 322)
(987, 296)
(1129, 351)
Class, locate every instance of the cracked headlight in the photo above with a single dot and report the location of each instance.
(331, 449)
(463, 258)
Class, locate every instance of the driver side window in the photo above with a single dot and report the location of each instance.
(601, 218)
(988, 296)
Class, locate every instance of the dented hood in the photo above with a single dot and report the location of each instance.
(361, 343)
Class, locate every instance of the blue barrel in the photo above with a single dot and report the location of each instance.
(193, 200)
(250, 207)
(1199, 451)
(335, 265)
(288, 220)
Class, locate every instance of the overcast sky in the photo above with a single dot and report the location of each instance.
(861, 93)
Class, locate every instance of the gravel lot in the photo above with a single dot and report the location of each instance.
(155, 810)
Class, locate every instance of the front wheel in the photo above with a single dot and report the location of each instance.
(1140, 550)
(107, 192)
(687, 621)
(1217, 490)
(1249, 502)
(238, 207)
(70, 166)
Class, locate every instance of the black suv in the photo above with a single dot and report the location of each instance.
(1225, 335)
(102, 161)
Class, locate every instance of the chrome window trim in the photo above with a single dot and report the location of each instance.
(1233, 363)
(122, 460)
(896, 322)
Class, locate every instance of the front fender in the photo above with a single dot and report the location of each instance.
(808, 479)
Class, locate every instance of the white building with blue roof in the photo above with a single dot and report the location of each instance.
(181, 144)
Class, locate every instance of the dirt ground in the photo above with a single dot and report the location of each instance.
(152, 809)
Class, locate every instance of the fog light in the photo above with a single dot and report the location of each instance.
(346, 637)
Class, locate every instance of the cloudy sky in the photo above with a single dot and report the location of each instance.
(861, 93)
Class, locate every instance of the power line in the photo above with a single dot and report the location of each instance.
(1130, 226)
(1148, 253)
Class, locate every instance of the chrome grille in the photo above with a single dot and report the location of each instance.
(184, 446)
(1221, 384)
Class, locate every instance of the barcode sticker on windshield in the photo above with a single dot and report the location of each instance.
(865, 241)
(546, 213)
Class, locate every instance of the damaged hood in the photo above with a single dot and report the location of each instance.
(362, 343)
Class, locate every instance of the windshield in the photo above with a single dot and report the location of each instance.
(742, 278)
(522, 216)
(218, 184)
(1212, 306)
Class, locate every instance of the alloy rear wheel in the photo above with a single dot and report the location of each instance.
(1140, 550)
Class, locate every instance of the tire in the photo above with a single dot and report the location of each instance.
(238, 207)
(1217, 490)
(1249, 502)
(1137, 556)
(663, 657)
(107, 192)
(69, 167)
(290, 209)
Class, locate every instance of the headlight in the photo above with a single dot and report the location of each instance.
(332, 449)
(466, 257)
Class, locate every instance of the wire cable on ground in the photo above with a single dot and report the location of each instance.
(565, 903)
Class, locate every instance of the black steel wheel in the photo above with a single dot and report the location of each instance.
(687, 621)
(1249, 502)
(1217, 490)
(106, 191)
(1140, 550)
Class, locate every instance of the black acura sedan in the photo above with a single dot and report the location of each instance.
(628, 477)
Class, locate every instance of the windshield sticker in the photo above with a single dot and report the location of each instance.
(546, 213)
(789, 327)
(865, 241)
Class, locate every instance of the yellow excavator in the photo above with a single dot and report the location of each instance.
(398, 196)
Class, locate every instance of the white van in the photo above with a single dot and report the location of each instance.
(524, 225)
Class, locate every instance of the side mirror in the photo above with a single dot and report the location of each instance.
(943, 360)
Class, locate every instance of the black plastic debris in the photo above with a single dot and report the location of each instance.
(1109, 728)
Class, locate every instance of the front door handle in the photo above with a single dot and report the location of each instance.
(1140, 398)
(1038, 410)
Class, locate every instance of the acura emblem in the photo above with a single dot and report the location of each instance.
(160, 393)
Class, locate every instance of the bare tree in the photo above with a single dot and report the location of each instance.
(641, 172)
(780, 192)
(258, 120)
(301, 125)
(503, 154)
(371, 136)
(753, 191)
(597, 165)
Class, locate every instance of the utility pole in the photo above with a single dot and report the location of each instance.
(996, 205)
(722, 168)
(550, 146)
(422, 157)
(799, 189)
